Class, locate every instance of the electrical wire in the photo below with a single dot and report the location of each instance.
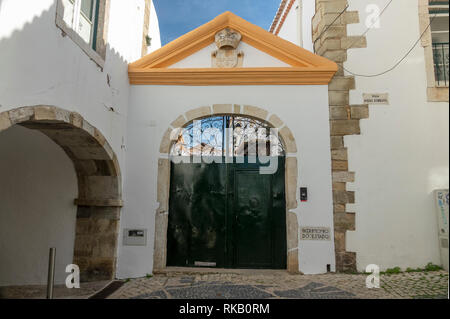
(396, 64)
(342, 12)
(367, 30)
(373, 23)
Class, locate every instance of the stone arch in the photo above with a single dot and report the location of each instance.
(291, 173)
(99, 183)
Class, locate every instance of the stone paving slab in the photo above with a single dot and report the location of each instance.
(60, 291)
(255, 285)
(278, 285)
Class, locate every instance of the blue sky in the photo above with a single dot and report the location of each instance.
(177, 17)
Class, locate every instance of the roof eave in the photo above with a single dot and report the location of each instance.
(232, 76)
(201, 37)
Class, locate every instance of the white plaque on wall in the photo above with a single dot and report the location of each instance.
(376, 98)
(315, 233)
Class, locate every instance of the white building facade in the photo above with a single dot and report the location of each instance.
(183, 80)
(86, 141)
(393, 79)
(93, 111)
(45, 61)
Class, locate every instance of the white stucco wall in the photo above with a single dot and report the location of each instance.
(304, 109)
(308, 12)
(154, 32)
(126, 23)
(290, 30)
(40, 66)
(297, 26)
(37, 187)
(402, 154)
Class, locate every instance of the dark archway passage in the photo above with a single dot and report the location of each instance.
(99, 183)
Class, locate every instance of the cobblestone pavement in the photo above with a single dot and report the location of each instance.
(277, 284)
(59, 292)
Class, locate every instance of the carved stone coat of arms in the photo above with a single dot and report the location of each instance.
(227, 55)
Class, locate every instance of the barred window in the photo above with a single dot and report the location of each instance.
(439, 15)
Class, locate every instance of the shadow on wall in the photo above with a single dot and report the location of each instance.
(42, 66)
(37, 187)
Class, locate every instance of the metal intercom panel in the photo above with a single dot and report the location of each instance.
(135, 237)
(442, 199)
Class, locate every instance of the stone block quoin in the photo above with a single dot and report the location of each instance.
(329, 31)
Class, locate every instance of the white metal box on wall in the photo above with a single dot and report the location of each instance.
(441, 197)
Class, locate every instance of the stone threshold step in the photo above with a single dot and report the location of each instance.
(177, 271)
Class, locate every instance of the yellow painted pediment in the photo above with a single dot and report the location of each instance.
(304, 67)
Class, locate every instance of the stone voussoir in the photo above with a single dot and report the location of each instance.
(179, 122)
(76, 119)
(44, 113)
(288, 139)
(21, 114)
(166, 142)
(5, 122)
(275, 121)
(291, 182)
(198, 113)
(222, 108)
(255, 112)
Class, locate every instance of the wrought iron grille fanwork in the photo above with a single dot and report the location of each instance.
(227, 136)
(441, 63)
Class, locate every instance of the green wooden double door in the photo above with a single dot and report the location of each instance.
(227, 216)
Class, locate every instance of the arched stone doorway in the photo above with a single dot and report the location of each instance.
(164, 171)
(99, 183)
